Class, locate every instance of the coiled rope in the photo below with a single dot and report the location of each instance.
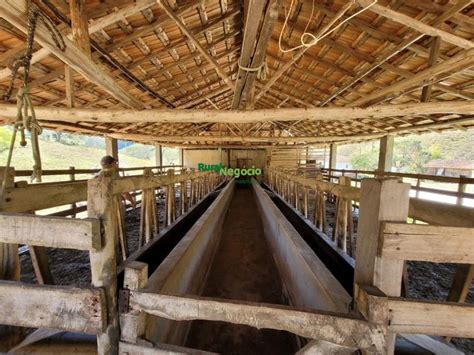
(308, 39)
(26, 117)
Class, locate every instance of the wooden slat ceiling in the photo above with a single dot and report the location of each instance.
(352, 65)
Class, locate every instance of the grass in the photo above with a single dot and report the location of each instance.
(56, 155)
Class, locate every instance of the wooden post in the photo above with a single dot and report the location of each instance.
(133, 325)
(170, 201)
(305, 201)
(40, 262)
(111, 147)
(461, 189)
(343, 219)
(72, 177)
(100, 204)
(9, 259)
(332, 158)
(461, 283)
(381, 200)
(149, 225)
(69, 82)
(158, 155)
(386, 153)
(80, 32)
(320, 206)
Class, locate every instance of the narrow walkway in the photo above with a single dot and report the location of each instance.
(243, 269)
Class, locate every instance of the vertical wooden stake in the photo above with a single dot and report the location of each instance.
(100, 204)
(132, 325)
(343, 213)
(320, 206)
(72, 177)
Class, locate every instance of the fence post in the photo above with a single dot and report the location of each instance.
(343, 219)
(133, 325)
(100, 204)
(9, 259)
(381, 200)
(461, 189)
(320, 205)
(72, 177)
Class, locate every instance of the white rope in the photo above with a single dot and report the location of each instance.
(313, 39)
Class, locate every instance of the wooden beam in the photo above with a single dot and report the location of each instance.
(41, 196)
(15, 13)
(332, 327)
(439, 72)
(420, 242)
(69, 81)
(432, 318)
(9, 111)
(198, 45)
(53, 232)
(57, 307)
(80, 33)
(434, 53)
(254, 47)
(94, 26)
(111, 147)
(416, 25)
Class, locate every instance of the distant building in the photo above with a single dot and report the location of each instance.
(450, 167)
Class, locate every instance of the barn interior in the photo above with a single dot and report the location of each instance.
(255, 241)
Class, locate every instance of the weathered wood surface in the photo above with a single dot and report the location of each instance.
(41, 196)
(57, 307)
(431, 318)
(307, 280)
(243, 116)
(100, 204)
(133, 183)
(158, 349)
(54, 232)
(418, 242)
(185, 269)
(14, 13)
(335, 328)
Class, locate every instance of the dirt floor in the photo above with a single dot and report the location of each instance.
(243, 269)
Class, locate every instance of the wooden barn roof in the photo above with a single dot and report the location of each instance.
(197, 59)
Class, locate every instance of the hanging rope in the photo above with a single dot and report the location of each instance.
(308, 39)
(26, 117)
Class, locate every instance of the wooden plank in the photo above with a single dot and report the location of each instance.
(436, 73)
(441, 214)
(415, 24)
(14, 11)
(58, 307)
(332, 327)
(75, 115)
(418, 242)
(41, 196)
(431, 318)
(158, 349)
(54, 232)
(434, 53)
(133, 183)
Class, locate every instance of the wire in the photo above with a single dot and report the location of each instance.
(314, 39)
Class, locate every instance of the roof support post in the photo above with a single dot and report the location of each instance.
(111, 147)
(386, 153)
